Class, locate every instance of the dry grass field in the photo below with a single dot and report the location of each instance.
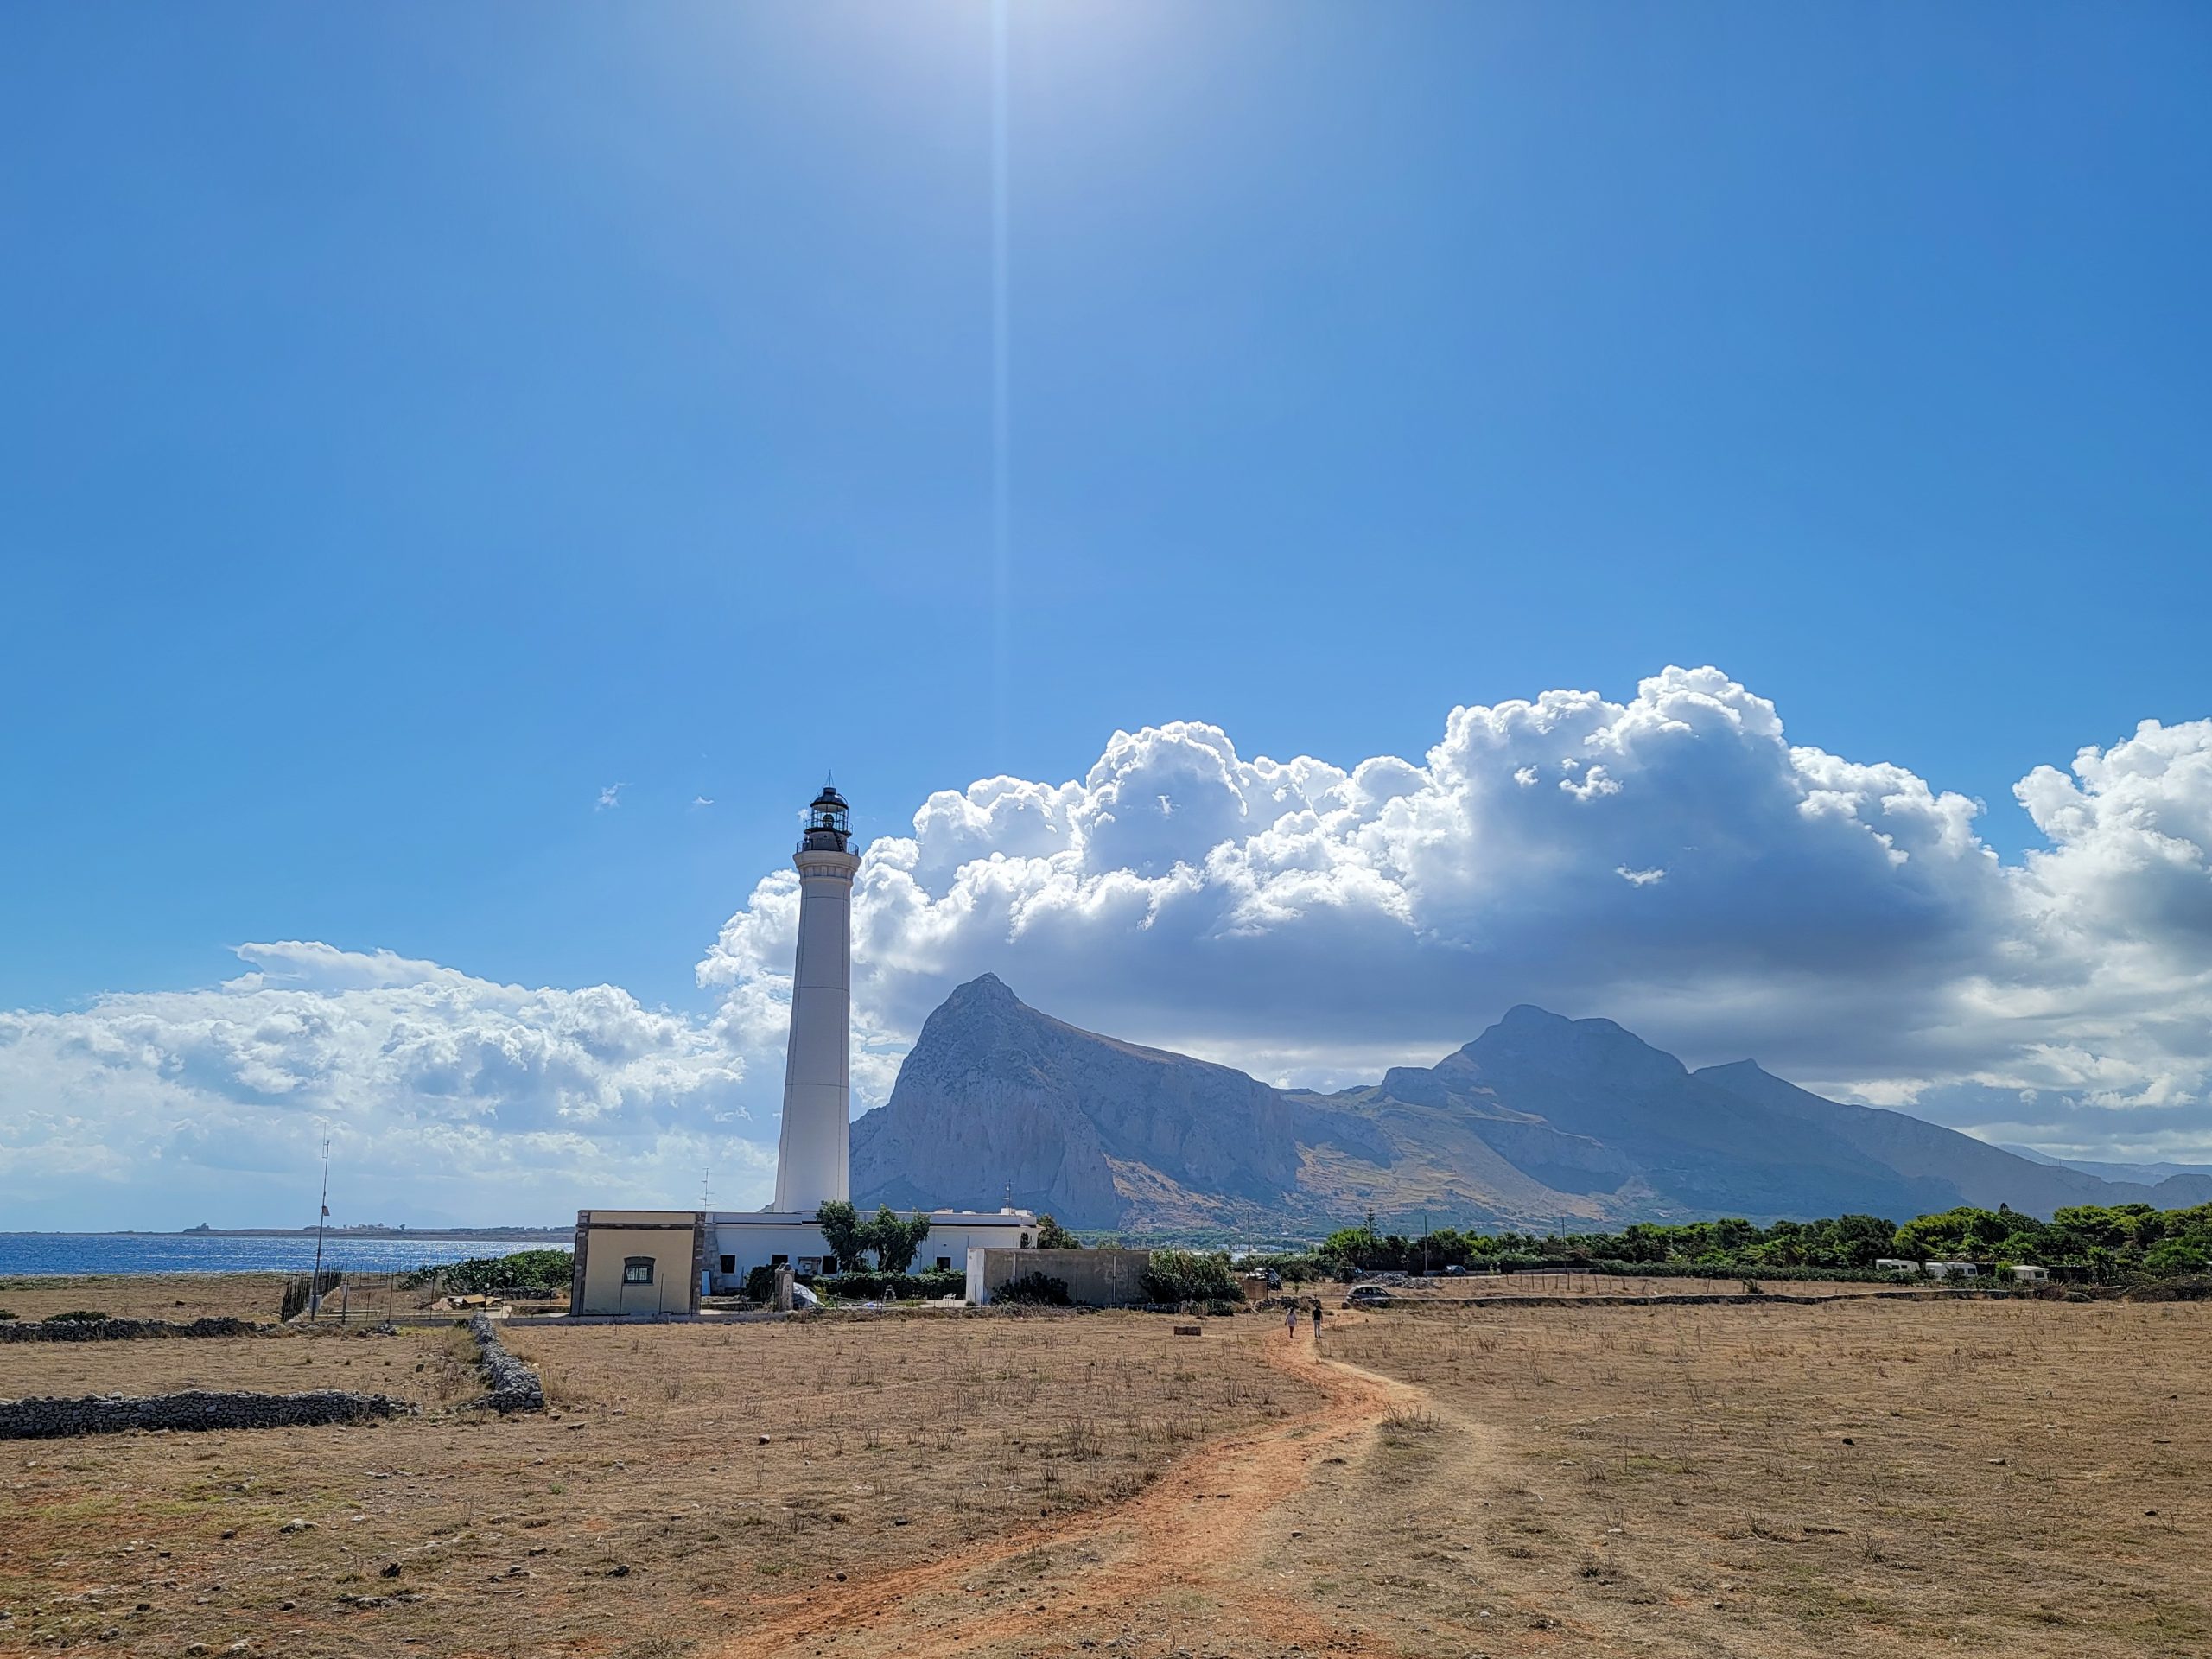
(686, 1476)
(181, 1296)
(1853, 1478)
(1482, 1286)
(2016, 1479)
(427, 1365)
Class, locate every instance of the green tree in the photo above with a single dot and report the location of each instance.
(844, 1231)
(895, 1240)
(1050, 1236)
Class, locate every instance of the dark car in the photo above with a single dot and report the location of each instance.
(1368, 1296)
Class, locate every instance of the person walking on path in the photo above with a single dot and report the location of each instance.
(1317, 1318)
(1290, 1318)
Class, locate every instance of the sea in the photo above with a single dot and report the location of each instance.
(23, 1254)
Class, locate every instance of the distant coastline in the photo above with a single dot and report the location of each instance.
(370, 1230)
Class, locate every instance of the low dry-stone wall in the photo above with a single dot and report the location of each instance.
(515, 1387)
(42, 1420)
(122, 1330)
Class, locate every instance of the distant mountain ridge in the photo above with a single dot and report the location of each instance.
(1540, 1120)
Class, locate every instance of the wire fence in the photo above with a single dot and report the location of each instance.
(342, 1295)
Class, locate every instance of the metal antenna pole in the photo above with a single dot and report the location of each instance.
(314, 1285)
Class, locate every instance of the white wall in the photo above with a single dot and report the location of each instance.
(753, 1238)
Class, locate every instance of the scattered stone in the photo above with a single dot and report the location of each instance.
(391, 1570)
(297, 1525)
(619, 1570)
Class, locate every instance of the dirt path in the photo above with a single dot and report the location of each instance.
(1176, 1557)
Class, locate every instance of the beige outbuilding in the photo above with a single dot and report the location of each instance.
(634, 1262)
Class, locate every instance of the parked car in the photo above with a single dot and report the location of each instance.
(1368, 1296)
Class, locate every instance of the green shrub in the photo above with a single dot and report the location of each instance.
(1220, 1307)
(6, 1314)
(481, 1275)
(893, 1286)
(76, 1316)
(760, 1284)
(1039, 1289)
(1188, 1276)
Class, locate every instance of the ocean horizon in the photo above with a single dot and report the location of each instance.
(54, 1254)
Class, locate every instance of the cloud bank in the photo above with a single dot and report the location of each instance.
(448, 1098)
(1671, 862)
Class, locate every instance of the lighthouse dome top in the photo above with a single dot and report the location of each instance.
(829, 824)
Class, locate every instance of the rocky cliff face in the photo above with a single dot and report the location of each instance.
(996, 1096)
(1539, 1122)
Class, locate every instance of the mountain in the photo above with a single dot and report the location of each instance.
(2142, 1174)
(996, 1098)
(1540, 1120)
(1971, 1171)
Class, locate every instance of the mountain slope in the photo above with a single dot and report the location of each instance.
(1540, 1122)
(996, 1096)
(1969, 1170)
(1699, 1149)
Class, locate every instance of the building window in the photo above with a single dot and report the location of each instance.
(809, 1264)
(729, 1264)
(944, 1264)
(637, 1269)
(1025, 1241)
(779, 1261)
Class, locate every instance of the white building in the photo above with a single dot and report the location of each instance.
(740, 1241)
(813, 1151)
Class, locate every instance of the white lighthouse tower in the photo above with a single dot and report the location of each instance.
(813, 1151)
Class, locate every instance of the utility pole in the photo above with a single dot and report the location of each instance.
(314, 1285)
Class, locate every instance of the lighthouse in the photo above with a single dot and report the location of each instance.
(647, 1263)
(812, 1153)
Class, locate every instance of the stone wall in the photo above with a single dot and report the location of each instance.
(515, 1387)
(122, 1330)
(38, 1420)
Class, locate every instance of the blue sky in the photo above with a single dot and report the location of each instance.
(421, 419)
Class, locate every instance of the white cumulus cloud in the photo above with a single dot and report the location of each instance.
(1691, 872)
(1670, 861)
(446, 1096)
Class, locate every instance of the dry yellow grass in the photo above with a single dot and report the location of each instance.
(642, 1515)
(1855, 1478)
(1859, 1478)
(426, 1366)
(182, 1296)
(1478, 1287)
